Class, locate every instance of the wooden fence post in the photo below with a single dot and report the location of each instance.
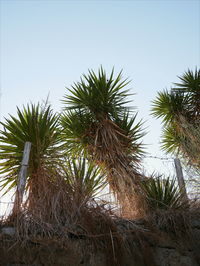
(181, 182)
(22, 177)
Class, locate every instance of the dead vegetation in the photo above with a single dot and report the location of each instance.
(59, 231)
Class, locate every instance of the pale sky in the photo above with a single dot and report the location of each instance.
(47, 45)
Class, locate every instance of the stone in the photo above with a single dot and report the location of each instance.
(8, 231)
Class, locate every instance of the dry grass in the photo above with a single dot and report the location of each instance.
(85, 232)
(54, 213)
(176, 223)
(190, 144)
(97, 236)
(112, 150)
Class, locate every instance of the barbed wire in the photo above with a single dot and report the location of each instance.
(160, 158)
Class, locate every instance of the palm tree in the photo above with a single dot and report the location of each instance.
(39, 126)
(179, 109)
(98, 124)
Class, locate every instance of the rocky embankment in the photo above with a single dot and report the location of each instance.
(137, 245)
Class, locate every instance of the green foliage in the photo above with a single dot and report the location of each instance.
(169, 104)
(98, 94)
(37, 125)
(75, 132)
(179, 109)
(79, 131)
(189, 83)
(133, 131)
(161, 193)
(85, 179)
(172, 139)
(96, 115)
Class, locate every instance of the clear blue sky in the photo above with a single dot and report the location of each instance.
(47, 45)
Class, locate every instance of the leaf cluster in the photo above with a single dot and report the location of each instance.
(162, 193)
(102, 96)
(84, 177)
(97, 116)
(181, 102)
(34, 124)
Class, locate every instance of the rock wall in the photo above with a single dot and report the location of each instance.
(141, 246)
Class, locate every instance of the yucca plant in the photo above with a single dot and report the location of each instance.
(103, 96)
(39, 126)
(84, 178)
(97, 122)
(162, 193)
(168, 207)
(82, 134)
(179, 109)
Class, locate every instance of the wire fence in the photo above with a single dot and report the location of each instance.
(158, 165)
(165, 166)
(151, 165)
